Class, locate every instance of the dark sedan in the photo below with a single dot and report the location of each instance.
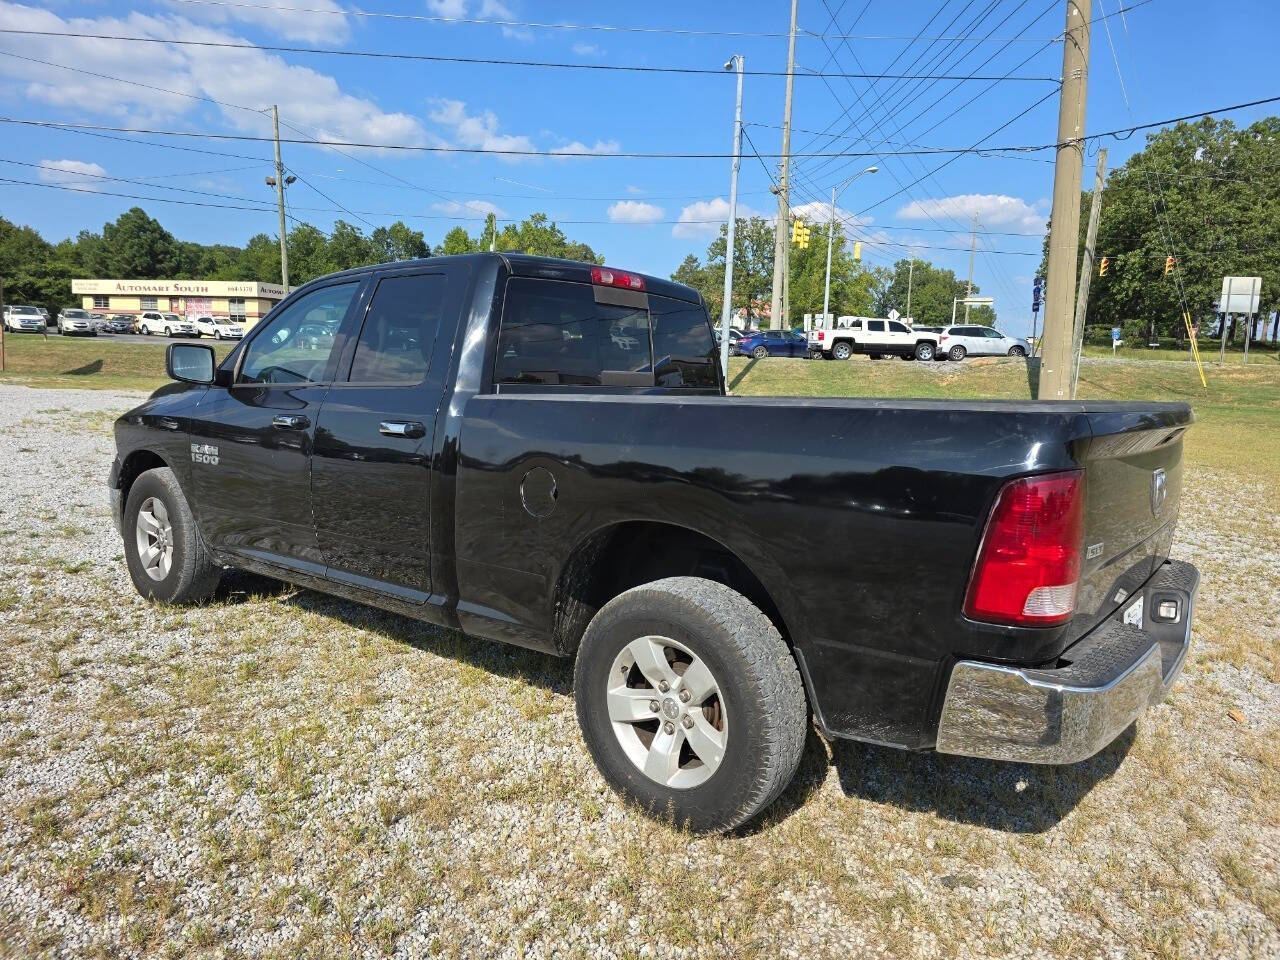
(774, 343)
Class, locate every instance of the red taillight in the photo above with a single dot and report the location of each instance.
(1029, 562)
(616, 278)
(821, 336)
(942, 337)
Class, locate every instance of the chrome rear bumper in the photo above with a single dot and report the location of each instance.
(1067, 714)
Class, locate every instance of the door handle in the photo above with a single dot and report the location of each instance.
(291, 421)
(402, 428)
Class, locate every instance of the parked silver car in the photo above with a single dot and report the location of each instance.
(973, 340)
(75, 322)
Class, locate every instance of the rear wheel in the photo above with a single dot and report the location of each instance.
(924, 351)
(956, 353)
(815, 354)
(876, 356)
(842, 351)
(144, 330)
(690, 703)
(1016, 351)
(163, 549)
(759, 353)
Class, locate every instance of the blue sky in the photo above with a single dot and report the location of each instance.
(643, 214)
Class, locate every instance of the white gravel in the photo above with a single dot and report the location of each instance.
(283, 774)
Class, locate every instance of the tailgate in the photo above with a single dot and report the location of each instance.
(1133, 487)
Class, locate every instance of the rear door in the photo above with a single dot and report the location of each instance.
(251, 442)
(372, 470)
(877, 336)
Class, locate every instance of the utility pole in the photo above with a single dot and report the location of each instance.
(284, 251)
(1064, 224)
(2, 326)
(973, 246)
(726, 312)
(1086, 270)
(783, 223)
(911, 275)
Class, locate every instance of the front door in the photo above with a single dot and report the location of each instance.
(251, 442)
(372, 469)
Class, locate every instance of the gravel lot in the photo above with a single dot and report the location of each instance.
(281, 774)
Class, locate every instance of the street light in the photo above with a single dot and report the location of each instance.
(831, 229)
(736, 61)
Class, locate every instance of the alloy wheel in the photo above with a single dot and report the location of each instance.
(666, 710)
(154, 533)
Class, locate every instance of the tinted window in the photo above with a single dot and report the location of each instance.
(993, 334)
(554, 332)
(897, 327)
(294, 346)
(399, 330)
(875, 326)
(684, 351)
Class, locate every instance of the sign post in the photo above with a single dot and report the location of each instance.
(1239, 295)
(2, 326)
(1037, 298)
(1115, 340)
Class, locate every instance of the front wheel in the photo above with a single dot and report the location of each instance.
(168, 332)
(690, 703)
(956, 353)
(924, 351)
(1016, 351)
(842, 351)
(760, 353)
(167, 559)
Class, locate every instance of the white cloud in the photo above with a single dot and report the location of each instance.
(248, 77)
(703, 218)
(290, 23)
(634, 190)
(993, 210)
(815, 211)
(497, 10)
(478, 130)
(587, 50)
(579, 149)
(469, 209)
(77, 173)
(448, 8)
(633, 211)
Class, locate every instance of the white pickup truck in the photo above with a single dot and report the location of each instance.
(874, 336)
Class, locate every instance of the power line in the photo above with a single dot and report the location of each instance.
(475, 61)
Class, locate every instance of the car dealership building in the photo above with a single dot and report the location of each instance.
(244, 301)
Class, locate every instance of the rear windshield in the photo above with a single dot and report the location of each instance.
(554, 332)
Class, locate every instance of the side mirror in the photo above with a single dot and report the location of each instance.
(189, 362)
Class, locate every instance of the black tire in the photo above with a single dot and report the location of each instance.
(764, 706)
(815, 354)
(1016, 351)
(876, 356)
(956, 353)
(760, 353)
(841, 351)
(925, 351)
(192, 576)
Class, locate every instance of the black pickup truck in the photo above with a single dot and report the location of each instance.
(542, 452)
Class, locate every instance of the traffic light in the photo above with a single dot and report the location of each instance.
(796, 227)
(1103, 266)
(800, 234)
(857, 251)
(1168, 265)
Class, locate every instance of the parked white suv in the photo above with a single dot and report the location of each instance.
(76, 322)
(170, 324)
(973, 340)
(874, 336)
(220, 328)
(19, 319)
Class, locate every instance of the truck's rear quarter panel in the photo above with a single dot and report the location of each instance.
(860, 517)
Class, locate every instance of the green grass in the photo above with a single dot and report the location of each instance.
(99, 363)
(1266, 354)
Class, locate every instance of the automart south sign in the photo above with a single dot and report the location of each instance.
(179, 288)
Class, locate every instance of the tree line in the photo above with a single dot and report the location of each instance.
(138, 247)
(855, 289)
(1208, 194)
